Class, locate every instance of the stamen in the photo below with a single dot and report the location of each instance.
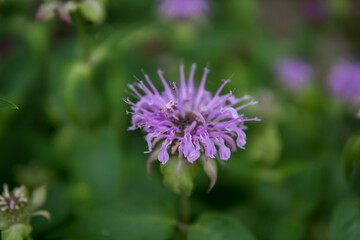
(127, 100)
(134, 90)
(150, 83)
(239, 119)
(201, 88)
(246, 105)
(166, 86)
(191, 79)
(143, 87)
(182, 82)
(217, 110)
(218, 92)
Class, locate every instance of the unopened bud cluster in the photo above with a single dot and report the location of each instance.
(14, 206)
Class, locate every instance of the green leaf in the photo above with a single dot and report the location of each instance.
(95, 164)
(217, 226)
(75, 76)
(16, 232)
(38, 197)
(351, 156)
(339, 8)
(313, 177)
(92, 10)
(289, 227)
(179, 174)
(11, 235)
(345, 224)
(134, 219)
(6, 104)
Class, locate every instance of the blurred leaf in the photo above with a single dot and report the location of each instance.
(179, 174)
(6, 104)
(141, 218)
(80, 193)
(351, 156)
(96, 162)
(92, 10)
(307, 186)
(244, 13)
(340, 9)
(218, 226)
(58, 205)
(289, 228)
(33, 175)
(38, 197)
(266, 145)
(16, 232)
(78, 72)
(345, 224)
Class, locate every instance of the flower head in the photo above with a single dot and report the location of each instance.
(184, 9)
(16, 207)
(187, 120)
(92, 10)
(315, 10)
(293, 73)
(344, 81)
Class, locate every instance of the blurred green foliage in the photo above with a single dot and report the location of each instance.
(70, 131)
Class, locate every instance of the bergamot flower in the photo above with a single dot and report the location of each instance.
(189, 121)
(184, 9)
(294, 74)
(344, 82)
(16, 210)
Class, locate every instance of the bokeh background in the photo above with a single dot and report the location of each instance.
(70, 131)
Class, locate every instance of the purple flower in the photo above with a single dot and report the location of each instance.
(315, 10)
(16, 207)
(91, 10)
(10, 202)
(344, 81)
(184, 9)
(188, 120)
(293, 73)
(49, 9)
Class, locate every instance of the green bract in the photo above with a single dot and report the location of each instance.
(179, 174)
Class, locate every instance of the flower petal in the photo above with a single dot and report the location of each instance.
(224, 151)
(163, 153)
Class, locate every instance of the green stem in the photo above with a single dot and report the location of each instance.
(185, 208)
(84, 43)
(85, 52)
(185, 215)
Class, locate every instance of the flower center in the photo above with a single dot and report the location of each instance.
(14, 211)
(183, 122)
